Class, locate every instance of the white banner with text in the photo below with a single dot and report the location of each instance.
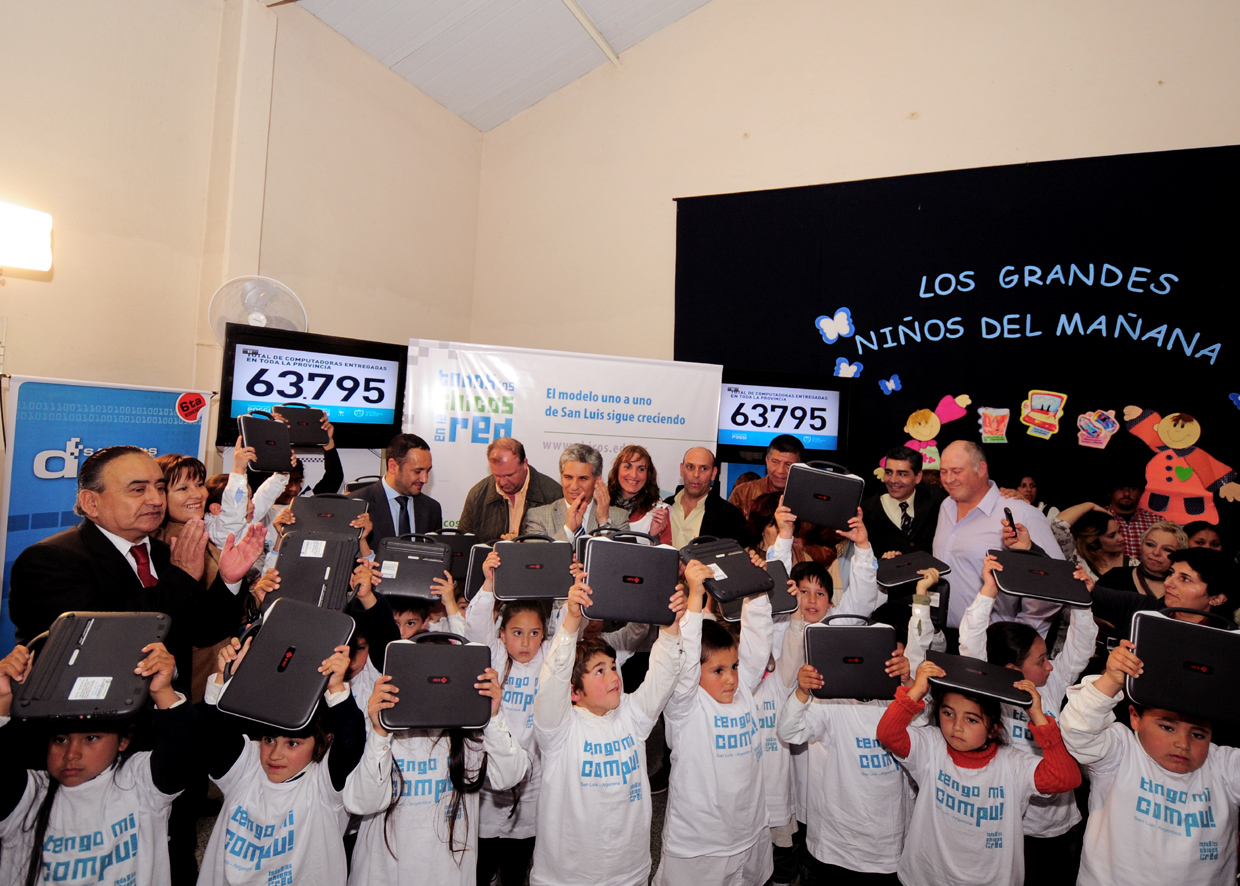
(460, 397)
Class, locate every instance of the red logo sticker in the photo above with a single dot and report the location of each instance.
(189, 405)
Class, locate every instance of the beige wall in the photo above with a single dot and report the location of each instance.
(107, 114)
(142, 127)
(577, 191)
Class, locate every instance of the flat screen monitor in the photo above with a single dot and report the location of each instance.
(755, 407)
(359, 384)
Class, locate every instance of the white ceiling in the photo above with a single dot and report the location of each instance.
(488, 60)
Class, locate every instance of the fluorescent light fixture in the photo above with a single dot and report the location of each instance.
(25, 238)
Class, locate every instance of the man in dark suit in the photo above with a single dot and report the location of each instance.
(397, 504)
(697, 508)
(110, 563)
(903, 518)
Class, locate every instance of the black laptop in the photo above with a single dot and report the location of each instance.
(626, 535)
(1189, 668)
(435, 673)
(852, 658)
(735, 576)
(823, 493)
(459, 544)
(408, 563)
(977, 677)
(305, 424)
(278, 682)
(329, 512)
(782, 603)
(83, 666)
(533, 567)
(896, 571)
(474, 576)
(315, 567)
(1031, 575)
(273, 454)
(630, 582)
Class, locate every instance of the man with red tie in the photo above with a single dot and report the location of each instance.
(109, 563)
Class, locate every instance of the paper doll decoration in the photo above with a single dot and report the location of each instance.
(1042, 412)
(844, 369)
(993, 423)
(1096, 428)
(923, 426)
(1180, 480)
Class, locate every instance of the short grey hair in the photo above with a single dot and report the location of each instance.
(585, 453)
(977, 455)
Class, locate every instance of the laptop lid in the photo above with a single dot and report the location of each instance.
(409, 563)
(474, 577)
(782, 602)
(435, 673)
(459, 544)
(630, 582)
(328, 513)
(278, 681)
(823, 493)
(83, 666)
(305, 424)
(269, 438)
(1189, 668)
(1041, 578)
(896, 571)
(533, 567)
(851, 658)
(315, 567)
(977, 677)
(735, 576)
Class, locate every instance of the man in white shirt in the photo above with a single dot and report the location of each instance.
(970, 525)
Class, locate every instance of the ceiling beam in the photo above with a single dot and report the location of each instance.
(592, 29)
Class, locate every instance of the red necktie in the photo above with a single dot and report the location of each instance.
(143, 559)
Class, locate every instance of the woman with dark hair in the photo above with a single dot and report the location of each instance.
(633, 484)
(1203, 535)
(1199, 579)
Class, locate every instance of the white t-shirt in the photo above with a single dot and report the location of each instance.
(112, 829)
(418, 827)
(594, 808)
(716, 804)
(859, 802)
(967, 823)
(1148, 825)
(520, 687)
(1047, 816)
(268, 834)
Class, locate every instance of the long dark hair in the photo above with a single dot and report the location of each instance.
(458, 774)
(42, 815)
(1009, 643)
(516, 607)
(648, 497)
(462, 784)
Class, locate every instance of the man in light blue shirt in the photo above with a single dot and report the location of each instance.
(970, 524)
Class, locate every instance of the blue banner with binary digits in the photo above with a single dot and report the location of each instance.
(1026, 307)
(54, 426)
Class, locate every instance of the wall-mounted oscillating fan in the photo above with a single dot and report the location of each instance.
(255, 301)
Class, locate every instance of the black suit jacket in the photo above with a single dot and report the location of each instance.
(886, 536)
(80, 569)
(427, 515)
(722, 518)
